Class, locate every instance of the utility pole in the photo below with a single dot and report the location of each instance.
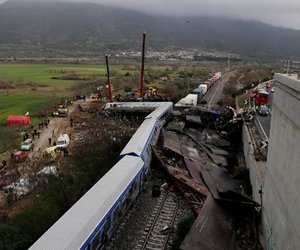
(228, 63)
(108, 80)
(143, 65)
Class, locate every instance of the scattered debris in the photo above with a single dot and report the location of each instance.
(83, 106)
(9, 176)
(155, 191)
(223, 187)
(47, 171)
(213, 229)
(176, 126)
(171, 142)
(18, 189)
(194, 119)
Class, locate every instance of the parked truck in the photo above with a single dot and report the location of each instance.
(203, 88)
(218, 75)
(63, 141)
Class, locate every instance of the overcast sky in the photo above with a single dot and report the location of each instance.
(285, 13)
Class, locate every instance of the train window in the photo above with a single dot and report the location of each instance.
(96, 242)
(107, 225)
(125, 204)
(116, 215)
(120, 212)
(131, 189)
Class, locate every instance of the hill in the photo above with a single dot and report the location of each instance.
(63, 28)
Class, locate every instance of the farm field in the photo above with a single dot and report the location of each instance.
(20, 102)
(44, 74)
(17, 102)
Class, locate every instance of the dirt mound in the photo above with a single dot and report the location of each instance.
(6, 85)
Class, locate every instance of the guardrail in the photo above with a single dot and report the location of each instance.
(289, 67)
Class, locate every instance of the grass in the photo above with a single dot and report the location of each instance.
(42, 73)
(17, 102)
(20, 102)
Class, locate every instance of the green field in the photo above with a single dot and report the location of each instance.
(43, 73)
(18, 103)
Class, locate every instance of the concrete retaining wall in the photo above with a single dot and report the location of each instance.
(282, 186)
(251, 164)
(280, 221)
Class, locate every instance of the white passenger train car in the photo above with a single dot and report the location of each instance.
(88, 223)
(162, 110)
(141, 142)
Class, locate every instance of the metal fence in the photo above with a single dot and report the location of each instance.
(291, 67)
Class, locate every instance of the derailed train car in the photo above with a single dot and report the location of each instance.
(90, 222)
(147, 134)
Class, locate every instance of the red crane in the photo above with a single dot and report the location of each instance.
(142, 68)
(108, 80)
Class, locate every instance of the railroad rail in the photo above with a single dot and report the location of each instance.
(215, 93)
(160, 224)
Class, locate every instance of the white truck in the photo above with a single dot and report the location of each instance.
(203, 87)
(218, 75)
(63, 141)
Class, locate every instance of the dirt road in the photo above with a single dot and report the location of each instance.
(56, 126)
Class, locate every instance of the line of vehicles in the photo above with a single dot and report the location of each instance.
(206, 85)
(260, 97)
(90, 222)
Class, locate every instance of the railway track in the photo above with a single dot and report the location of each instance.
(155, 235)
(215, 93)
(146, 217)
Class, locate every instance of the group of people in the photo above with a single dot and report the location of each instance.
(44, 123)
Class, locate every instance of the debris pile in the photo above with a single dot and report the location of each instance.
(47, 171)
(194, 150)
(18, 189)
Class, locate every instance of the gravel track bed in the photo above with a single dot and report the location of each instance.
(135, 225)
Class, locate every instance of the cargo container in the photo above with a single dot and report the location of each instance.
(204, 88)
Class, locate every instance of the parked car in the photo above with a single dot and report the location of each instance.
(263, 110)
(63, 141)
(27, 145)
(51, 152)
(19, 156)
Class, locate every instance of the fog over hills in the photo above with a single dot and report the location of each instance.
(88, 27)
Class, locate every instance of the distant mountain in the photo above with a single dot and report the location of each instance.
(86, 28)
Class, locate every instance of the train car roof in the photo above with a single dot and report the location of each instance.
(161, 110)
(138, 141)
(76, 225)
(131, 104)
(189, 100)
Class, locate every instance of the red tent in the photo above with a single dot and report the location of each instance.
(17, 121)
